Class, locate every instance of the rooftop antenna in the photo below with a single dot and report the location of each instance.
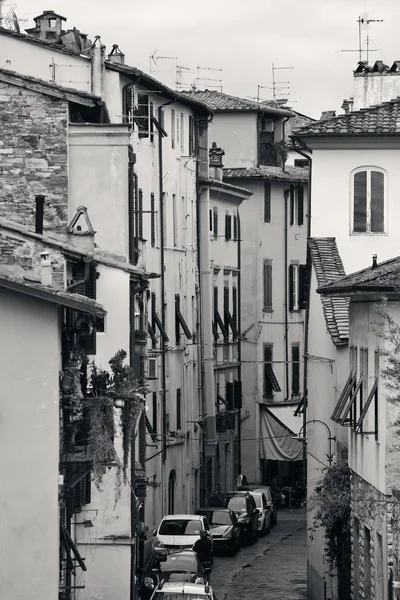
(153, 58)
(8, 17)
(219, 81)
(259, 88)
(279, 87)
(364, 21)
(180, 71)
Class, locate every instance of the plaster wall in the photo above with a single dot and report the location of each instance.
(98, 179)
(373, 88)
(237, 134)
(35, 60)
(29, 447)
(331, 198)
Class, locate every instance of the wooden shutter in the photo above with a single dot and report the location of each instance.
(178, 409)
(191, 135)
(142, 116)
(267, 277)
(291, 196)
(304, 286)
(215, 211)
(360, 202)
(234, 305)
(295, 369)
(228, 227)
(229, 395)
(155, 423)
(237, 394)
(140, 215)
(300, 205)
(291, 286)
(153, 220)
(235, 227)
(177, 309)
(377, 202)
(267, 202)
(226, 308)
(267, 361)
(211, 220)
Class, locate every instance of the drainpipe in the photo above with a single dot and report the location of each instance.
(285, 260)
(132, 194)
(86, 274)
(307, 308)
(239, 342)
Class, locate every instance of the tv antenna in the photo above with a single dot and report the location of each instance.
(280, 88)
(364, 22)
(218, 83)
(8, 17)
(153, 58)
(181, 70)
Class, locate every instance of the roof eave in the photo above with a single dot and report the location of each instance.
(352, 290)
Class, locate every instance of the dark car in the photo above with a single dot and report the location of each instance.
(224, 526)
(170, 565)
(244, 506)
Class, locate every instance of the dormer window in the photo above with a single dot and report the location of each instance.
(368, 195)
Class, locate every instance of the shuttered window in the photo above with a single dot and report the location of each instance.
(369, 201)
(142, 116)
(178, 409)
(295, 369)
(191, 136)
(226, 305)
(228, 227)
(172, 128)
(268, 391)
(215, 224)
(300, 205)
(267, 284)
(293, 287)
(153, 221)
(155, 422)
(267, 202)
(235, 228)
(140, 214)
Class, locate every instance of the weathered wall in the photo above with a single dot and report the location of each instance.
(237, 134)
(373, 88)
(33, 152)
(29, 448)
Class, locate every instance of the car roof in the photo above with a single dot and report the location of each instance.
(209, 508)
(182, 517)
(264, 488)
(238, 493)
(183, 586)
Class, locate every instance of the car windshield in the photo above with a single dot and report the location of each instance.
(219, 517)
(257, 499)
(237, 503)
(179, 563)
(180, 527)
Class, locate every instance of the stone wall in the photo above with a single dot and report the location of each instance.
(33, 157)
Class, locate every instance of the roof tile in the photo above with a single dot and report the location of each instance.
(266, 172)
(218, 101)
(374, 278)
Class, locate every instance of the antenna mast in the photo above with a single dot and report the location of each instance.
(364, 21)
(278, 87)
(153, 58)
(219, 81)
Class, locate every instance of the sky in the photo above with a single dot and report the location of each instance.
(243, 38)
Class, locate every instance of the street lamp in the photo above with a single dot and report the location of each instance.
(330, 437)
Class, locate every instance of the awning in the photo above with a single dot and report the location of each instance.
(277, 441)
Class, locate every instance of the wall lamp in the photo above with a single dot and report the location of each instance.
(331, 438)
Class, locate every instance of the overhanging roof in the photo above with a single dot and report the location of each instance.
(41, 292)
(220, 102)
(297, 174)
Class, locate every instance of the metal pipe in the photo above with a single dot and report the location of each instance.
(132, 187)
(285, 260)
(239, 325)
(86, 275)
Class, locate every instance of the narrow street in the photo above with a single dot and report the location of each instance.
(273, 568)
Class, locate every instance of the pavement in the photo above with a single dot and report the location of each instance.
(274, 568)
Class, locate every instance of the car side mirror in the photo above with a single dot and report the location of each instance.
(155, 532)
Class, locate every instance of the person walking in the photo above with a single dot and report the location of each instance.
(204, 551)
(276, 493)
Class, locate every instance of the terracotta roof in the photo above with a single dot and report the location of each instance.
(220, 102)
(383, 277)
(375, 120)
(266, 172)
(48, 294)
(328, 267)
(49, 89)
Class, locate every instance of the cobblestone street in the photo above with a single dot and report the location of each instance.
(274, 568)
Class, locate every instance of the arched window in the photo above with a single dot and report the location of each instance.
(368, 200)
(171, 492)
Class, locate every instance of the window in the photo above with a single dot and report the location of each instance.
(153, 220)
(353, 359)
(295, 369)
(215, 225)
(300, 162)
(226, 304)
(267, 284)
(228, 226)
(235, 228)
(296, 196)
(191, 136)
(211, 220)
(80, 272)
(368, 197)
(178, 410)
(267, 202)
(182, 134)
(172, 128)
(177, 130)
(364, 370)
(154, 424)
(271, 384)
(140, 214)
(294, 287)
(367, 564)
(141, 115)
(52, 22)
(175, 224)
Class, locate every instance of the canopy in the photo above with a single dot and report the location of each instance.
(276, 441)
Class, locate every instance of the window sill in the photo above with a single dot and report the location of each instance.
(367, 233)
(268, 310)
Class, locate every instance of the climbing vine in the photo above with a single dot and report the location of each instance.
(330, 502)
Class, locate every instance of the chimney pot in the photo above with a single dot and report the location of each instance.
(46, 275)
(215, 162)
(116, 56)
(374, 261)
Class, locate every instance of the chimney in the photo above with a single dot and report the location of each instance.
(116, 56)
(215, 162)
(374, 261)
(327, 114)
(46, 275)
(97, 54)
(375, 84)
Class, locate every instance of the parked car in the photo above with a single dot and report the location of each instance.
(180, 531)
(267, 491)
(171, 566)
(183, 591)
(264, 518)
(224, 527)
(244, 506)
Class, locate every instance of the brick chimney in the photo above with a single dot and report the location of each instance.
(377, 83)
(215, 162)
(116, 55)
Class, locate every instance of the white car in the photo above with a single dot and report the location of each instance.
(183, 591)
(265, 508)
(180, 531)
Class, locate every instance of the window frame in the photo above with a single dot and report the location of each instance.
(369, 169)
(294, 287)
(267, 286)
